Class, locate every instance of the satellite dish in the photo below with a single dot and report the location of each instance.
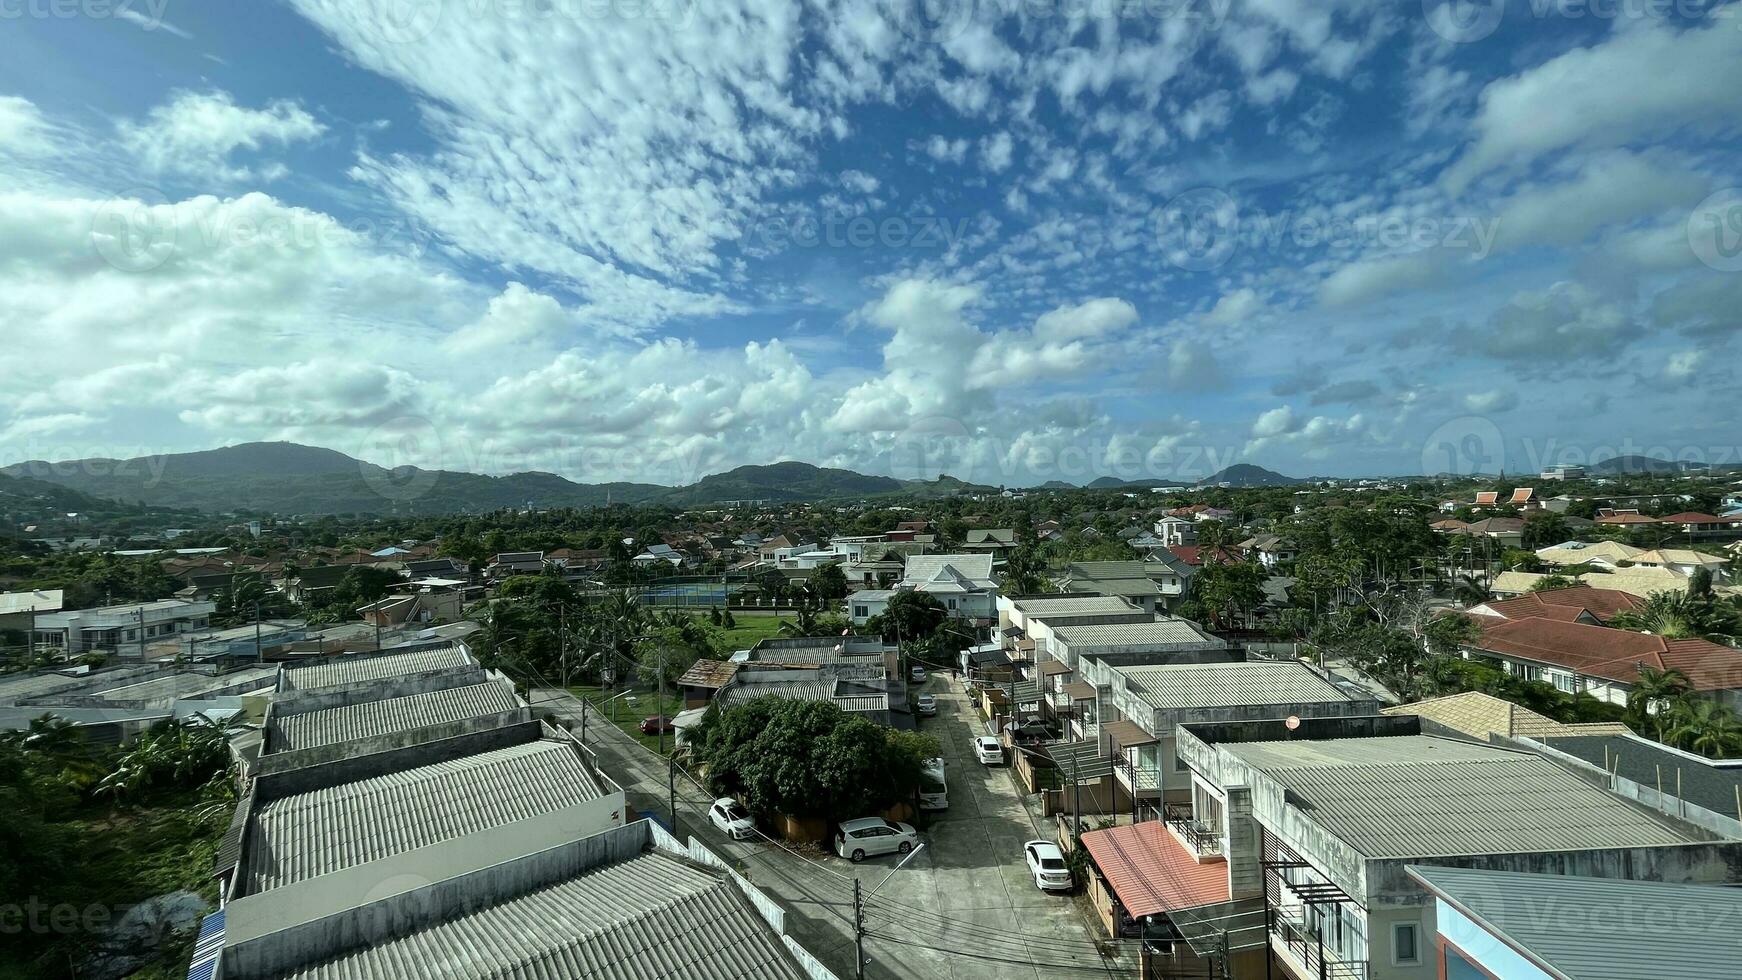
(1293, 722)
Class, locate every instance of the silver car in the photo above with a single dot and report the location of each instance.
(866, 837)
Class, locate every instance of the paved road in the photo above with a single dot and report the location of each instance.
(964, 908)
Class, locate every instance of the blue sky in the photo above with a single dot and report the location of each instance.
(1013, 240)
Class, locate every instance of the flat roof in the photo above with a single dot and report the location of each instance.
(1420, 796)
(1579, 928)
(1163, 632)
(1230, 684)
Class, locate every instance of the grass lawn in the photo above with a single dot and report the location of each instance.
(630, 713)
(749, 630)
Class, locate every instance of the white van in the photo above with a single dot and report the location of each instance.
(866, 837)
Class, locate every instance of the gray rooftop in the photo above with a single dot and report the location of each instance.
(324, 830)
(1699, 781)
(1622, 930)
(329, 726)
(191, 685)
(1161, 633)
(1417, 796)
(346, 671)
(1231, 684)
(1073, 605)
(650, 916)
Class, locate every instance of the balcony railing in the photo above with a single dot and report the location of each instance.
(1199, 837)
(1306, 949)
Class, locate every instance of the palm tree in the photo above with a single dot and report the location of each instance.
(1471, 590)
(1653, 693)
(805, 622)
(1706, 727)
(1671, 615)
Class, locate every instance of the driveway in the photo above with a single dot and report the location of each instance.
(963, 907)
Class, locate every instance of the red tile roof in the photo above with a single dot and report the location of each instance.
(1626, 519)
(1566, 604)
(1151, 872)
(1599, 651)
(1487, 496)
(1192, 554)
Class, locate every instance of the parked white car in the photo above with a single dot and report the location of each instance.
(1047, 863)
(989, 750)
(732, 819)
(927, 704)
(866, 837)
(918, 674)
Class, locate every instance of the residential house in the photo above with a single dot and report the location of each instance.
(1506, 531)
(1579, 604)
(1149, 701)
(1315, 823)
(1077, 659)
(1483, 717)
(963, 583)
(1272, 550)
(1515, 924)
(122, 629)
(1175, 530)
(1696, 524)
(659, 555)
(1607, 554)
(866, 603)
(1628, 519)
(1605, 663)
(996, 541)
(1129, 580)
(1684, 562)
(1641, 582)
(512, 563)
(442, 568)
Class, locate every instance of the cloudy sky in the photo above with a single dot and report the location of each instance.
(1015, 240)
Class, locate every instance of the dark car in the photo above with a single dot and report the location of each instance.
(656, 724)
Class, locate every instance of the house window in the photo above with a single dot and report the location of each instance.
(1405, 944)
(861, 612)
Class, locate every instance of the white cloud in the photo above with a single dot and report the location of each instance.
(947, 150)
(1496, 400)
(198, 132)
(1275, 422)
(1683, 365)
(1234, 308)
(995, 152)
(23, 131)
(1638, 82)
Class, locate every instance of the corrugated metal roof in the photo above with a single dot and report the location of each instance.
(1118, 586)
(1216, 685)
(1163, 632)
(1622, 930)
(373, 667)
(1415, 796)
(189, 685)
(650, 916)
(331, 725)
(1081, 605)
(322, 831)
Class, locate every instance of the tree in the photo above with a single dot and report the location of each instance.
(829, 583)
(1652, 694)
(1671, 615)
(1229, 590)
(808, 758)
(1447, 635)
(1552, 583)
(909, 616)
(1471, 590)
(1704, 726)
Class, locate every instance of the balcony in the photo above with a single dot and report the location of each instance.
(1305, 955)
(1203, 840)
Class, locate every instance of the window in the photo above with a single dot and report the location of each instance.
(861, 612)
(1405, 945)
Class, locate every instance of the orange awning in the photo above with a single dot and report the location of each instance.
(1151, 872)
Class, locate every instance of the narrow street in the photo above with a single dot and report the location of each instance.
(964, 907)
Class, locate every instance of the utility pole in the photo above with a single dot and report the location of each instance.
(858, 933)
(563, 641)
(671, 789)
(142, 633)
(257, 631)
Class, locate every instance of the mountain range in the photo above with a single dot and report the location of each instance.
(287, 478)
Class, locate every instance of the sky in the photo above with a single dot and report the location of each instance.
(1011, 240)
